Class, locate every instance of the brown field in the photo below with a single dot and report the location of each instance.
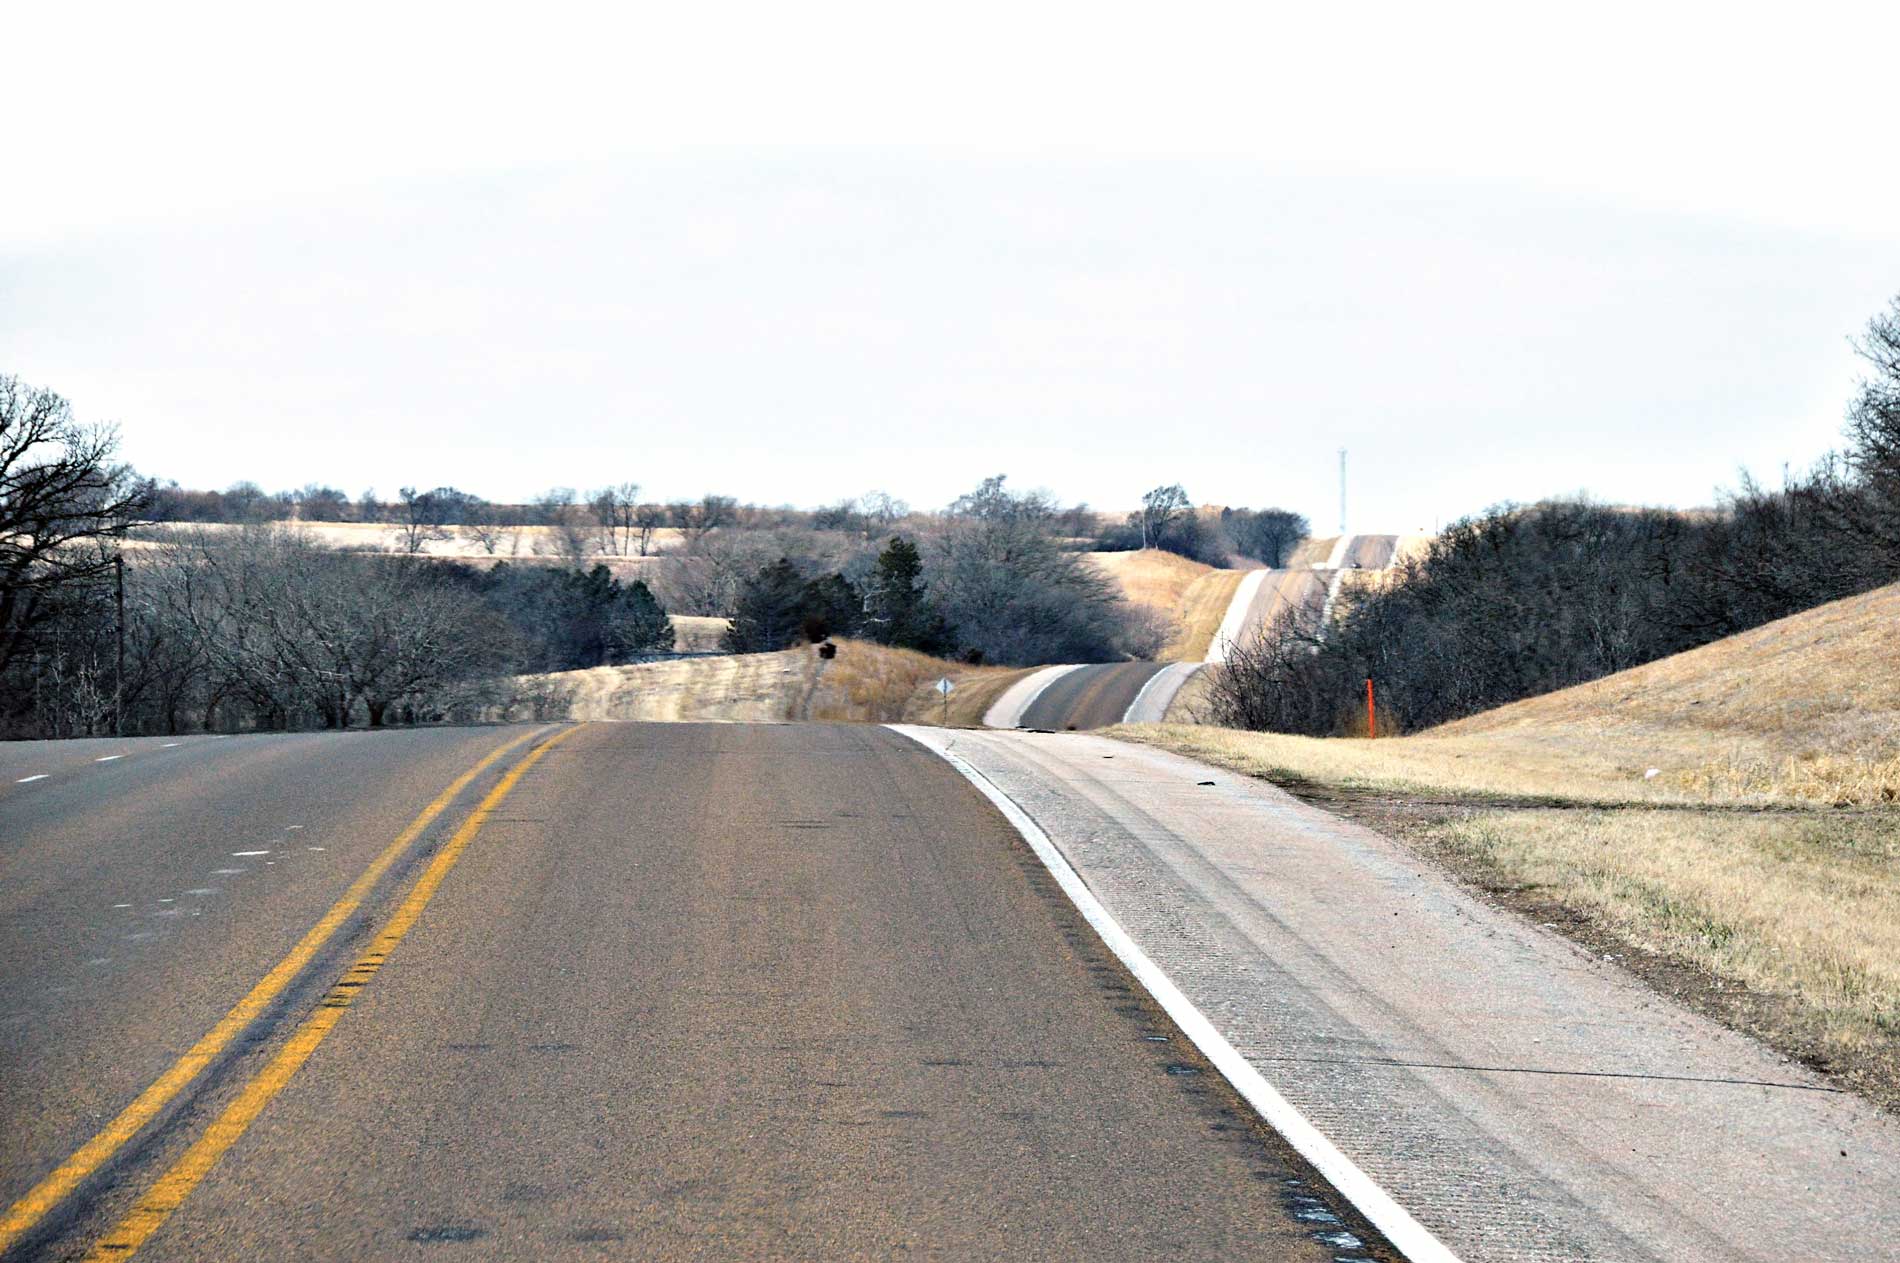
(866, 682)
(1754, 874)
(516, 542)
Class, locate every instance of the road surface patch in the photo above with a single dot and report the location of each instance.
(173, 1187)
(89, 1157)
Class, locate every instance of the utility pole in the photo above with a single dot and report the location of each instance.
(1342, 491)
(118, 676)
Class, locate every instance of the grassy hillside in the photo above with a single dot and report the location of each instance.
(1194, 595)
(1726, 821)
(1806, 708)
(1152, 577)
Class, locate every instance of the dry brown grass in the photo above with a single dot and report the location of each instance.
(875, 683)
(1411, 548)
(1796, 905)
(866, 682)
(1193, 595)
(1311, 552)
(1150, 576)
(517, 542)
(977, 690)
(1735, 809)
(1804, 711)
(693, 633)
(1203, 605)
(748, 688)
(1804, 905)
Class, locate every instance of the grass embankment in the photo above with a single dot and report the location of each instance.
(694, 633)
(866, 682)
(1725, 821)
(1195, 596)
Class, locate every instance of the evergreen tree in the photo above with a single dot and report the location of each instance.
(833, 607)
(640, 625)
(897, 608)
(770, 612)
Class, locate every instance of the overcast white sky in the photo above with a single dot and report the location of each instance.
(1498, 251)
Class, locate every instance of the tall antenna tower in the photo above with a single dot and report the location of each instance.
(1342, 491)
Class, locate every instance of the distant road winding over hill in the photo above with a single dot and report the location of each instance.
(1096, 695)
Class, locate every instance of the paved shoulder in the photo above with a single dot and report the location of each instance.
(1521, 1099)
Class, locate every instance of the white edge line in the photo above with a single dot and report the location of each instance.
(27, 780)
(1407, 1235)
(107, 758)
(1145, 688)
(1232, 623)
(1156, 678)
(1054, 674)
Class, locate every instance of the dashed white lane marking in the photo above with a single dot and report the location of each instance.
(1411, 1238)
(107, 758)
(37, 776)
(242, 854)
(313, 848)
(121, 905)
(226, 872)
(293, 826)
(168, 901)
(169, 744)
(100, 960)
(203, 890)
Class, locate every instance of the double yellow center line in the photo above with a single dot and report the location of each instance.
(157, 1205)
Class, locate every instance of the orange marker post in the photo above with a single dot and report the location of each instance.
(1372, 728)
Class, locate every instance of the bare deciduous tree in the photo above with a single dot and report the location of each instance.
(696, 521)
(647, 520)
(488, 525)
(1161, 509)
(423, 517)
(882, 511)
(568, 536)
(64, 505)
(615, 509)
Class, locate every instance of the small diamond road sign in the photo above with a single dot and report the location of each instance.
(944, 686)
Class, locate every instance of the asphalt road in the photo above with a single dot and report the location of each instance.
(1283, 590)
(1370, 552)
(1091, 697)
(672, 991)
